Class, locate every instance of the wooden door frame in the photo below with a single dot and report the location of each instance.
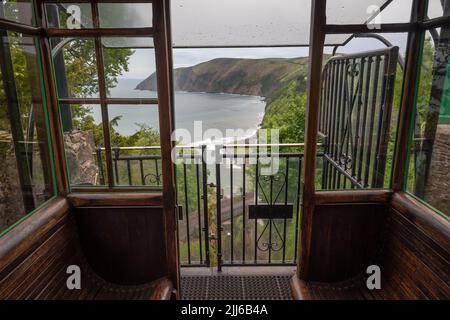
(311, 197)
(161, 22)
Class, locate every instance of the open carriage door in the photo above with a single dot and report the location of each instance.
(163, 56)
(349, 107)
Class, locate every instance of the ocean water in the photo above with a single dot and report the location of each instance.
(216, 111)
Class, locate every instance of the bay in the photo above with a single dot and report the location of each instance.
(215, 111)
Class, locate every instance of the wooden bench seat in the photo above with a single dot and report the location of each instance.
(35, 264)
(349, 290)
(414, 260)
(354, 289)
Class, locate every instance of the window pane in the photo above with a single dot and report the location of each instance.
(429, 166)
(25, 171)
(357, 12)
(84, 145)
(438, 8)
(75, 68)
(135, 144)
(18, 11)
(68, 15)
(203, 23)
(130, 68)
(125, 15)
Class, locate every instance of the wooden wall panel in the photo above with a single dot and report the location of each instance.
(345, 238)
(35, 255)
(411, 244)
(124, 245)
(416, 254)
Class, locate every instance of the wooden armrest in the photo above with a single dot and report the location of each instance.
(162, 291)
(299, 289)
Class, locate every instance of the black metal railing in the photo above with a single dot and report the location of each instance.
(133, 166)
(230, 208)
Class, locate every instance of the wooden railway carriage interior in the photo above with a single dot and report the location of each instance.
(368, 186)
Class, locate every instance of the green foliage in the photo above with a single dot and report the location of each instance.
(25, 75)
(81, 67)
(287, 114)
(426, 80)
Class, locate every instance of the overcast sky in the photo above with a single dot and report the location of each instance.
(184, 23)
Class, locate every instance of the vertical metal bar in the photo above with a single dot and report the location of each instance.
(197, 178)
(297, 213)
(116, 163)
(243, 211)
(270, 218)
(334, 120)
(158, 180)
(340, 116)
(219, 217)
(130, 182)
(205, 206)
(389, 71)
(231, 214)
(350, 106)
(285, 202)
(372, 118)
(324, 172)
(364, 119)
(324, 112)
(330, 121)
(333, 90)
(186, 203)
(382, 111)
(322, 105)
(141, 168)
(329, 125)
(256, 203)
(358, 117)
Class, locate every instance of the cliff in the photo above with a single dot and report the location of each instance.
(257, 77)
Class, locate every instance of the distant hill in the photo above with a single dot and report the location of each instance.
(257, 77)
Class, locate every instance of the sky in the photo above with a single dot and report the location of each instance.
(142, 65)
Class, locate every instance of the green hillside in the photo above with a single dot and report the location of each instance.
(281, 81)
(258, 77)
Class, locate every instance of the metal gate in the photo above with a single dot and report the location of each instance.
(355, 118)
(233, 213)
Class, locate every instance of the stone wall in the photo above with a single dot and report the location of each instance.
(437, 190)
(80, 155)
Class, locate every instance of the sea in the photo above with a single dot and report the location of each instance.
(215, 111)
